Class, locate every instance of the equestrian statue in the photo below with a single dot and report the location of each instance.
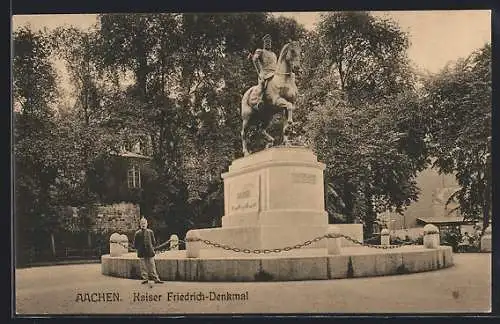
(275, 92)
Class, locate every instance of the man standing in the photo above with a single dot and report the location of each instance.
(144, 242)
(265, 62)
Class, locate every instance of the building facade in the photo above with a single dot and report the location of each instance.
(431, 207)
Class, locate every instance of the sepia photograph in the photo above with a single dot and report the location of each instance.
(316, 162)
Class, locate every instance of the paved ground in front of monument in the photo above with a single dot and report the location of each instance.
(465, 287)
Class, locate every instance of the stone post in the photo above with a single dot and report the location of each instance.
(193, 247)
(114, 245)
(174, 242)
(123, 241)
(431, 236)
(385, 237)
(333, 244)
(486, 240)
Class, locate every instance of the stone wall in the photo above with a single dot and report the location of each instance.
(122, 217)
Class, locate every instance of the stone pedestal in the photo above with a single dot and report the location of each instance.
(385, 238)
(334, 244)
(272, 199)
(118, 244)
(174, 242)
(431, 237)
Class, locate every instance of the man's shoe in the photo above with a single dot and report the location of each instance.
(158, 281)
(145, 282)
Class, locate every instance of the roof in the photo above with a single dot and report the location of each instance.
(133, 155)
(444, 220)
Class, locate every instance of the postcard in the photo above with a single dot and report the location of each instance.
(334, 162)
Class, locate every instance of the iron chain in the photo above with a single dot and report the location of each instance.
(160, 248)
(169, 247)
(278, 250)
(298, 246)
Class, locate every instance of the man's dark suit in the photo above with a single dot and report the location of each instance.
(144, 242)
(144, 247)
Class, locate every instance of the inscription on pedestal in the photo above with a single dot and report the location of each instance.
(303, 178)
(244, 197)
(243, 194)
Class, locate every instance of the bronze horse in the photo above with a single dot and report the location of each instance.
(279, 95)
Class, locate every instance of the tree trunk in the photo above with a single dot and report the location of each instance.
(52, 244)
(371, 215)
(486, 203)
(89, 239)
(349, 204)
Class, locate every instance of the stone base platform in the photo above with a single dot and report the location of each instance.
(353, 262)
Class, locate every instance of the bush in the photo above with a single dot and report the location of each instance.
(396, 241)
(374, 240)
(407, 240)
(469, 243)
(451, 238)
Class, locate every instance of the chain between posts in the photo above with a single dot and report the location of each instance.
(168, 248)
(157, 248)
(278, 250)
(297, 246)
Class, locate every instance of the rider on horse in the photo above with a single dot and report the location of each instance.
(265, 62)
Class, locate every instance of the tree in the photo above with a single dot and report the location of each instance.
(367, 54)
(36, 160)
(368, 170)
(458, 104)
(83, 138)
(361, 115)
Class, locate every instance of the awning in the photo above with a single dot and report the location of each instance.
(444, 220)
(133, 155)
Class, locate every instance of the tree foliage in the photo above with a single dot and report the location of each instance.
(36, 158)
(363, 118)
(367, 54)
(458, 104)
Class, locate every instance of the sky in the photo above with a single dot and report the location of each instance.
(436, 37)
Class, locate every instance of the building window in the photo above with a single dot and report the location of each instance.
(134, 177)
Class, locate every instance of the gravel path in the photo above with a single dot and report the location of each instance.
(465, 287)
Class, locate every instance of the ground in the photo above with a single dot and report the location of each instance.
(464, 287)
